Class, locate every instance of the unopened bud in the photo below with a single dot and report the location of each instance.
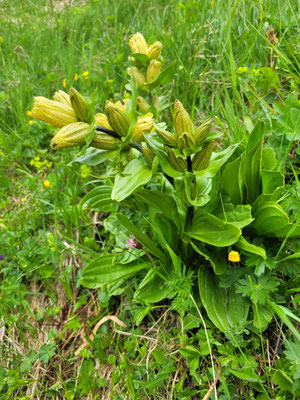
(62, 97)
(154, 50)
(177, 163)
(202, 132)
(186, 140)
(201, 160)
(53, 112)
(104, 141)
(71, 135)
(153, 70)
(117, 119)
(148, 155)
(79, 104)
(167, 137)
(101, 120)
(182, 119)
(144, 125)
(142, 104)
(138, 76)
(138, 44)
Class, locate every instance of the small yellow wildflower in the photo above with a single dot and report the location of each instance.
(23, 200)
(234, 256)
(29, 113)
(47, 184)
(242, 70)
(64, 83)
(37, 158)
(85, 73)
(255, 71)
(75, 77)
(31, 122)
(85, 171)
(34, 27)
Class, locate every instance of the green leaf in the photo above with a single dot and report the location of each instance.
(140, 59)
(271, 180)
(284, 317)
(164, 77)
(217, 161)
(98, 198)
(251, 248)
(269, 161)
(103, 271)
(210, 229)
(239, 215)
(154, 286)
(233, 180)
(141, 237)
(94, 156)
(245, 373)
(272, 220)
(253, 161)
(216, 258)
(213, 299)
(161, 201)
(281, 379)
(135, 174)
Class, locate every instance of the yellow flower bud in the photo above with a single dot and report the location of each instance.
(117, 119)
(234, 256)
(182, 120)
(186, 140)
(104, 141)
(153, 70)
(62, 97)
(202, 132)
(144, 125)
(53, 112)
(154, 50)
(71, 135)
(79, 104)
(169, 138)
(138, 75)
(142, 105)
(101, 120)
(138, 44)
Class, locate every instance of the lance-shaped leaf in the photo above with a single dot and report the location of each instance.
(94, 156)
(98, 198)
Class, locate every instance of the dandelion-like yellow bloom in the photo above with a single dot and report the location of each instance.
(47, 184)
(29, 113)
(75, 77)
(64, 83)
(85, 73)
(234, 256)
(53, 112)
(31, 122)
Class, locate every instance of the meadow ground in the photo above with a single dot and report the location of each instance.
(59, 340)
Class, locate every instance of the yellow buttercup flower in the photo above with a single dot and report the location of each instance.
(85, 73)
(234, 256)
(29, 113)
(47, 184)
(31, 122)
(75, 77)
(64, 83)
(53, 112)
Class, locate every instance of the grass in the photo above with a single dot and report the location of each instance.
(46, 316)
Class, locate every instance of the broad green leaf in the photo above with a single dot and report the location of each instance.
(252, 165)
(237, 309)
(164, 77)
(141, 237)
(135, 174)
(216, 258)
(245, 373)
(217, 161)
(272, 220)
(98, 198)
(251, 248)
(154, 286)
(102, 271)
(239, 215)
(161, 201)
(200, 185)
(210, 229)
(281, 379)
(140, 59)
(164, 230)
(213, 299)
(233, 180)
(269, 161)
(94, 156)
(271, 180)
